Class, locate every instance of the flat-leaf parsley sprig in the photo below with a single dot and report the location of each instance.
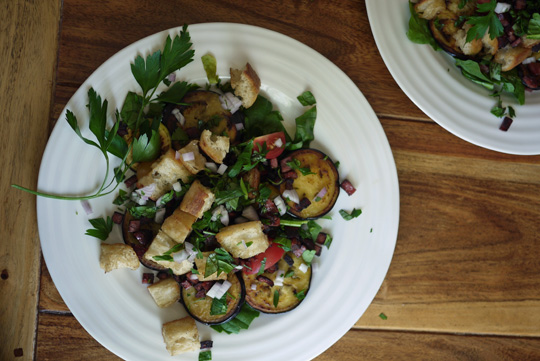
(149, 74)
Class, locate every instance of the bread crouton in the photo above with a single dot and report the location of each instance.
(214, 146)
(468, 48)
(118, 255)
(178, 225)
(246, 85)
(201, 268)
(165, 292)
(529, 43)
(161, 244)
(181, 336)
(165, 172)
(510, 57)
(243, 240)
(197, 200)
(429, 9)
(197, 163)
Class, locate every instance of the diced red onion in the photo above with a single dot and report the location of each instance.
(177, 187)
(239, 220)
(278, 143)
(189, 156)
(177, 155)
(179, 116)
(529, 60)
(221, 213)
(280, 277)
(254, 286)
(230, 102)
(219, 289)
(180, 257)
(194, 276)
(160, 215)
(239, 126)
(145, 192)
(250, 213)
(171, 77)
(303, 267)
(502, 8)
(87, 207)
(222, 168)
(212, 166)
(280, 205)
(321, 194)
(292, 195)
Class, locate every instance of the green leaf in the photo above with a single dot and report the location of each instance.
(210, 67)
(219, 306)
(147, 73)
(260, 119)
(301, 295)
(176, 92)
(102, 228)
(131, 109)
(145, 150)
(98, 116)
(306, 98)
(533, 31)
(305, 125)
(276, 298)
(176, 53)
(308, 255)
(295, 164)
(471, 70)
(205, 355)
(419, 32)
(383, 316)
(349, 216)
(484, 23)
(241, 322)
(72, 121)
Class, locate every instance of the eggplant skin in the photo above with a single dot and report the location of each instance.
(308, 186)
(199, 308)
(151, 228)
(261, 296)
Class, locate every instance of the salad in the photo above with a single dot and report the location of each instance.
(495, 43)
(214, 196)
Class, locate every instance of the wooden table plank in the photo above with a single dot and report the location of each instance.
(28, 47)
(77, 344)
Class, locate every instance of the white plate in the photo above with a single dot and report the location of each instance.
(431, 80)
(118, 311)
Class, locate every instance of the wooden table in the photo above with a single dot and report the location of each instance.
(464, 281)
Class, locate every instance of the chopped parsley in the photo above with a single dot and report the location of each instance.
(102, 228)
(349, 216)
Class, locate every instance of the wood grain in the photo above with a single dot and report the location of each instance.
(28, 47)
(356, 345)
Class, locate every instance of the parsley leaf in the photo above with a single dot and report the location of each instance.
(102, 228)
(295, 164)
(349, 216)
(484, 23)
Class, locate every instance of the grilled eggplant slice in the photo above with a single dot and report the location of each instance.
(262, 294)
(309, 186)
(204, 106)
(141, 241)
(201, 308)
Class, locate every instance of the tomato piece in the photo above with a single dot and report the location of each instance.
(274, 143)
(272, 255)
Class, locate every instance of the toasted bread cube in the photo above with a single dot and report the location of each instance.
(510, 57)
(197, 200)
(178, 225)
(198, 162)
(181, 336)
(246, 85)
(165, 292)
(428, 9)
(201, 267)
(165, 172)
(118, 255)
(215, 146)
(251, 233)
(161, 244)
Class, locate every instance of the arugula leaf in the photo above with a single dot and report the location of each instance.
(210, 67)
(349, 216)
(102, 228)
(484, 23)
(471, 70)
(419, 32)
